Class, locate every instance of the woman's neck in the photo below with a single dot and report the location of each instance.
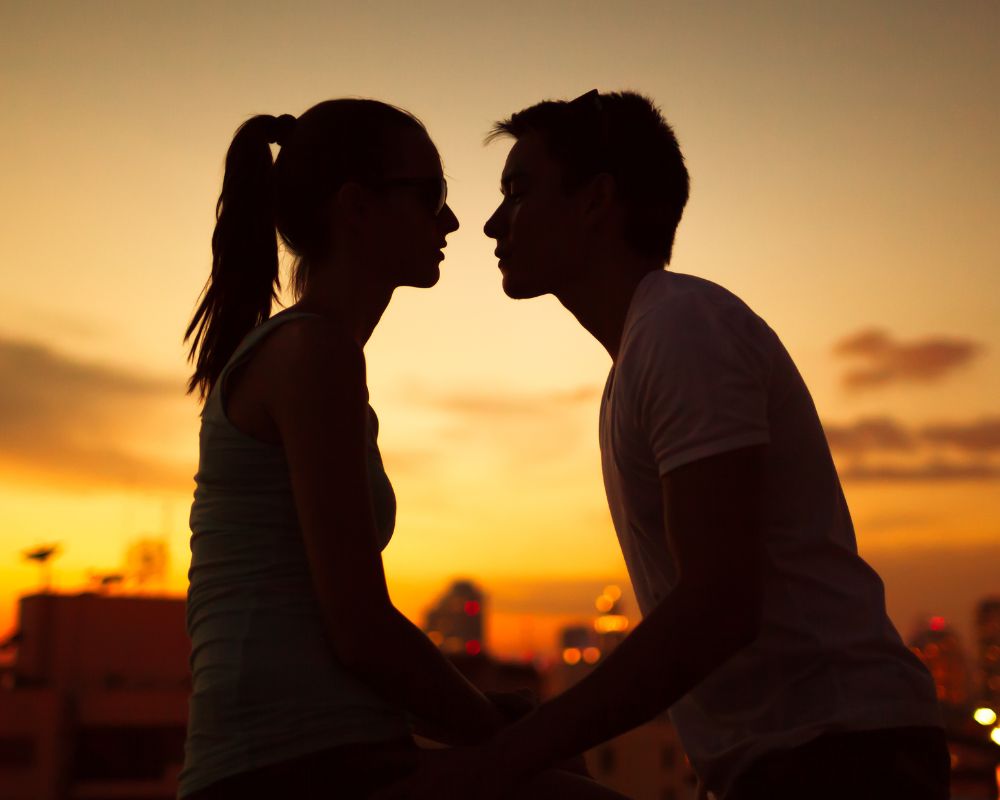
(356, 305)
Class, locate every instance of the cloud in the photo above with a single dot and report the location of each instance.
(982, 436)
(886, 361)
(933, 471)
(64, 420)
(61, 324)
(877, 433)
(941, 451)
(884, 434)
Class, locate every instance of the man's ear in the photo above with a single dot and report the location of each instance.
(600, 197)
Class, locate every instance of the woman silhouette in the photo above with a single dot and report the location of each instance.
(305, 675)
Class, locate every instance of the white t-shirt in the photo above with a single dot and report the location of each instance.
(698, 374)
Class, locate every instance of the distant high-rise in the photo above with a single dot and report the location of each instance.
(936, 644)
(455, 623)
(988, 636)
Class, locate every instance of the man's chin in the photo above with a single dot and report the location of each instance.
(520, 289)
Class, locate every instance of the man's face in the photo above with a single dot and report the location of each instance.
(537, 226)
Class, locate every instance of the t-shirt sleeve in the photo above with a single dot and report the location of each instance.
(699, 380)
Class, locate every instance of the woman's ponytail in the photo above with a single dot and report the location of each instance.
(244, 279)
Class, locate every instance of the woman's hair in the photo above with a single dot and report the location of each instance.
(333, 142)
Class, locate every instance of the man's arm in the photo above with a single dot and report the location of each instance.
(712, 517)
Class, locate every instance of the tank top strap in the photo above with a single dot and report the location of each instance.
(243, 351)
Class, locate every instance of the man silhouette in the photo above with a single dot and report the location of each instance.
(764, 633)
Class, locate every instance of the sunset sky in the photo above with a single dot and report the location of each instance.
(845, 183)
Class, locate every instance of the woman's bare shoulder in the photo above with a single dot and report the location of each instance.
(312, 343)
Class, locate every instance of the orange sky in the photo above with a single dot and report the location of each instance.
(844, 182)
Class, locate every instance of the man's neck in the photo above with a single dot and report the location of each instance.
(600, 299)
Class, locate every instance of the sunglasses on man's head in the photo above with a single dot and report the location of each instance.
(590, 109)
(432, 192)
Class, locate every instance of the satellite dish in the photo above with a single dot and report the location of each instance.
(103, 580)
(42, 555)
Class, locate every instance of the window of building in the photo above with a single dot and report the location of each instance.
(16, 751)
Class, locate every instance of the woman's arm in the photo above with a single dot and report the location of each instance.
(319, 404)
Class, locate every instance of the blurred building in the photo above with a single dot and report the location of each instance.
(455, 622)
(95, 702)
(988, 636)
(974, 756)
(586, 644)
(937, 646)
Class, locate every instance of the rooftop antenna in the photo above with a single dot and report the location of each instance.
(103, 581)
(42, 556)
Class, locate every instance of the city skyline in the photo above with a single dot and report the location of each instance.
(975, 652)
(100, 685)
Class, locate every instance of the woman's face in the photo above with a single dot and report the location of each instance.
(410, 222)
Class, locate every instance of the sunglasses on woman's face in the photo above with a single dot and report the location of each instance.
(432, 192)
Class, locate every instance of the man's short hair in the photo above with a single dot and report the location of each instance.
(625, 135)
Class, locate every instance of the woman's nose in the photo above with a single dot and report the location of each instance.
(492, 226)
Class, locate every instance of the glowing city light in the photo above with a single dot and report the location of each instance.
(591, 655)
(472, 647)
(611, 623)
(604, 603)
(937, 623)
(472, 608)
(995, 735)
(435, 636)
(985, 716)
(613, 592)
(571, 655)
